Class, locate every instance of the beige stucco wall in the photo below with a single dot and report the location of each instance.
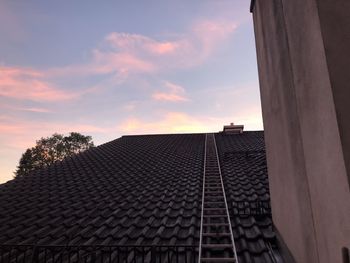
(306, 122)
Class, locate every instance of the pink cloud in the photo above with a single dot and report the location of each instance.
(170, 122)
(120, 64)
(181, 122)
(39, 110)
(209, 34)
(174, 93)
(124, 55)
(21, 134)
(20, 83)
(174, 122)
(201, 39)
(139, 53)
(168, 97)
(132, 42)
(108, 62)
(11, 128)
(163, 48)
(31, 109)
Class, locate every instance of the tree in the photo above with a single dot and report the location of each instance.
(50, 150)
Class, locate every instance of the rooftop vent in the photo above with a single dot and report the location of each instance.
(233, 129)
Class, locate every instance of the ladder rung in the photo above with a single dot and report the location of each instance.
(213, 181)
(215, 224)
(217, 216)
(208, 213)
(216, 234)
(218, 260)
(214, 208)
(213, 199)
(217, 245)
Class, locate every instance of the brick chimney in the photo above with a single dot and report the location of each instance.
(233, 129)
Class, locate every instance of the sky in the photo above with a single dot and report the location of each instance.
(113, 68)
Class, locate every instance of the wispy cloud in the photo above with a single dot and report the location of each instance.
(136, 81)
(109, 62)
(170, 122)
(121, 55)
(21, 134)
(181, 122)
(38, 110)
(185, 50)
(135, 42)
(28, 84)
(209, 34)
(26, 109)
(124, 58)
(174, 93)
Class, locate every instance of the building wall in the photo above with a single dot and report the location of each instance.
(336, 39)
(304, 71)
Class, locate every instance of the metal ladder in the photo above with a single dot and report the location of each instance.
(216, 238)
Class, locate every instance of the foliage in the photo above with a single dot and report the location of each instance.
(51, 149)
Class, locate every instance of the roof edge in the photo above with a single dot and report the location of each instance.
(252, 4)
(185, 133)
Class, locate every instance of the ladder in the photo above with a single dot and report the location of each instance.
(216, 242)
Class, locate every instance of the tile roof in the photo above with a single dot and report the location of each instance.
(244, 171)
(141, 190)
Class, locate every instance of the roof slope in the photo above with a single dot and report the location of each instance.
(141, 190)
(244, 171)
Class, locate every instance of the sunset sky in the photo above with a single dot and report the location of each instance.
(111, 68)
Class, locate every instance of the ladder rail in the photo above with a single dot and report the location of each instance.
(203, 192)
(215, 191)
(225, 200)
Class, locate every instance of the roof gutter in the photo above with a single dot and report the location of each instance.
(252, 4)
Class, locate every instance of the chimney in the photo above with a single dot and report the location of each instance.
(233, 129)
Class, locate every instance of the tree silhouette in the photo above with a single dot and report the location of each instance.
(51, 149)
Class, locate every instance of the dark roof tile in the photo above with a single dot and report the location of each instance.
(141, 190)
